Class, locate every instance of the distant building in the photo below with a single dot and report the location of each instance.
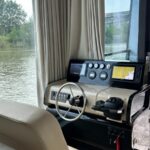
(115, 18)
(117, 26)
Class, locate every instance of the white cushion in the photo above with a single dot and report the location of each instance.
(25, 127)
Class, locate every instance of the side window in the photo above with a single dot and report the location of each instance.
(117, 26)
(17, 52)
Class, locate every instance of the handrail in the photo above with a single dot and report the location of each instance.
(145, 105)
(119, 52)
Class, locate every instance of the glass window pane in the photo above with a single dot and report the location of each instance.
(117, 20)
(17, 55)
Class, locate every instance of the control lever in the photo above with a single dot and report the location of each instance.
(99, 105)
(112, 108)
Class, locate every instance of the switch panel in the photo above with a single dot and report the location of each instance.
(62, 97)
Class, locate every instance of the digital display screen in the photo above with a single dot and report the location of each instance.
(123, 72)
(78, 69)
(75, 69)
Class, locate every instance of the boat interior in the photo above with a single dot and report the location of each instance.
(89, 98)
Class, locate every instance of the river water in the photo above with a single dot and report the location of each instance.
(18, 76)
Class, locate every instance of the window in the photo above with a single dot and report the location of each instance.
(17, 55)
(117, 26)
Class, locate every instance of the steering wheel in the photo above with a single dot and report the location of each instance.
(78, 103)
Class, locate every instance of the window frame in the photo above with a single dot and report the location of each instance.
(135, 50)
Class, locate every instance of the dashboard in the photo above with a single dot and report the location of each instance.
(111, 90)
(109, 87)
(93, 93)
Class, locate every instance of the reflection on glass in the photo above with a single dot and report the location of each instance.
(117, 19)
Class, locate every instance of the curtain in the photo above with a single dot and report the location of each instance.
(65, 29)
(92, 32)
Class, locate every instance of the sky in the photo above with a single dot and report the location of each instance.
(26, 6)
(110, 6)
(117, 5)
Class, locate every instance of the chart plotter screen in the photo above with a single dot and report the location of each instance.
(123, 72)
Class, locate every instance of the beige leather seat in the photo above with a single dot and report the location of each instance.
(25, 127)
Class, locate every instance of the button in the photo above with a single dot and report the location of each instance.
(90, 65)
(92, 75)
(96, 66)
(103, 75)
(108, 66)
(102, 66)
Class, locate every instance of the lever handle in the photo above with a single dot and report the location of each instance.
(99, 105)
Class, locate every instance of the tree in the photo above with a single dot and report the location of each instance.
(22, 37)
(11, 16)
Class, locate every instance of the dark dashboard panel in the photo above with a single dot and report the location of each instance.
(117, 74)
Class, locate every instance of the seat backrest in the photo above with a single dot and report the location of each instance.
(25, 127)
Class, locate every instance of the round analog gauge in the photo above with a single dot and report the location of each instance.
(103, 75)
(92, 75)
(102, 66)
(90, 65)
(108, 66)
(96, 66)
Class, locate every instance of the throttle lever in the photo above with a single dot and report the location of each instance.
(99, 104)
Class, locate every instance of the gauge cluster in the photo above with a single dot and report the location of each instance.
(116, 74)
